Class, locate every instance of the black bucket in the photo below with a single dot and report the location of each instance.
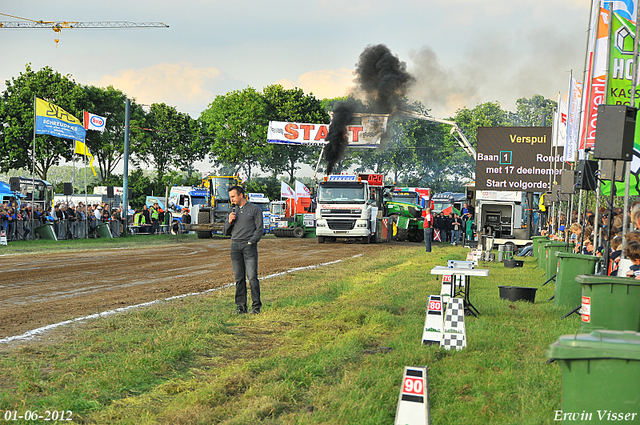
(517, 293)
(513, 263)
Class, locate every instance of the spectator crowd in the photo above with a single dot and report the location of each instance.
(70, 221)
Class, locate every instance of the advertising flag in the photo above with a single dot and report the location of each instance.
(573, 119)
(286, 191)
(82, 149)
(619, 90)
(55, 121)
(302, 191)
(594, 90)
(561, 122)
(94, 122)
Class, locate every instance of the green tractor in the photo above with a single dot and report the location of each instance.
(406, 215)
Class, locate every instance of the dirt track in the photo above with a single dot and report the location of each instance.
(42, 289)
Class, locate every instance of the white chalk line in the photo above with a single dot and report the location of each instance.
(34, 332)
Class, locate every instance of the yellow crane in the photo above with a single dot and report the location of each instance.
(57, 27)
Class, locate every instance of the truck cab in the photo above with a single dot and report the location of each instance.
(186, 197)
(261, 200)
(348, 208)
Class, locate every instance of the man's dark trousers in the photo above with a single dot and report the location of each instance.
(427, 238)
(244, 259)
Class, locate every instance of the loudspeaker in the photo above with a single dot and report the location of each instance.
(567, 182)
(606, 172)
(555, 189)
(614, 132)
(129, 193)
(109, 191)
(586, 175)
(67, 189)
(14, 183)
(547, 199)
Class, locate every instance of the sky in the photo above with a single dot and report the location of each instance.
(462, 52)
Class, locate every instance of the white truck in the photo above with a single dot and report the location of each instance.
(348, 207)
(499, 214)
(181, 197)
(261, 200)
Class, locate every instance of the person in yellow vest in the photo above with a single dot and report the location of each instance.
(140, 221)
(155, 218)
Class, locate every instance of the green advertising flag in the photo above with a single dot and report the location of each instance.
(619, 91)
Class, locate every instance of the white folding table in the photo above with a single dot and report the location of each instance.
(462, 290)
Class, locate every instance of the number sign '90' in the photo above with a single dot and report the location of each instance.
(413, 386)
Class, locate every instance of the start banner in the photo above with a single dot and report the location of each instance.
(364, 135)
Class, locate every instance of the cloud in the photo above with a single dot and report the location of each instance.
(176, 84)
(327, 83)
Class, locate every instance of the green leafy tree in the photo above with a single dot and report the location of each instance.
(535, 112)
(291, 105)
(237, 125)
(173, 140)
(108, 146)
(17, 117)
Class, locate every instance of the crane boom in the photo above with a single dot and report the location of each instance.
(463, 142)
(58, 26)
(64, 24)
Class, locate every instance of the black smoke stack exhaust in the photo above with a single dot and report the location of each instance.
(383, 81)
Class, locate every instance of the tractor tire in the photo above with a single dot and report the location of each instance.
(203, 217)
(205, 235)
(402, 234)
(298, 232)
(320, 239)
(394, 220)
(417, 236)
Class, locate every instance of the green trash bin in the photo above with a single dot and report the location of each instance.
(104, 231)
(600, 377)
(46, 232)
(570, 265)
(551, 262)
(537, 243)
(610, 302)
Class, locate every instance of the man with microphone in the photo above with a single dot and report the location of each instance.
(244, 225)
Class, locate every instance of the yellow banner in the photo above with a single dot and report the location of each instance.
(49, 110)
(82, 149)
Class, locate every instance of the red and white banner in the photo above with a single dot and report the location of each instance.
(365, 135)
(94, 122)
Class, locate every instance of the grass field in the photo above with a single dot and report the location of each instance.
(329, 348)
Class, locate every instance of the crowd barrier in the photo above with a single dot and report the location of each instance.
(64, 229)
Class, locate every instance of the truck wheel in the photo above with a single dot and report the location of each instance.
(320, 239)
(298, 232)
(203, 217)
(205, 235)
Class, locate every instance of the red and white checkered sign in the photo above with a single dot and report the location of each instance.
(586, 309)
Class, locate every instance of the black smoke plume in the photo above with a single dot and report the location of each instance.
(383, 81)
(337, 137)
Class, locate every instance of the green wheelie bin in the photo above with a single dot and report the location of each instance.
(600, 377)
(104, 231)
(610, 302)
(537, 243)
(551, 262)
(46, 232)
(570, 265)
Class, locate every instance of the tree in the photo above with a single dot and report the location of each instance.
(237, 124)
(172, 141)
(108, 146)
(17, 116)
(291, 105)
(535, 112)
